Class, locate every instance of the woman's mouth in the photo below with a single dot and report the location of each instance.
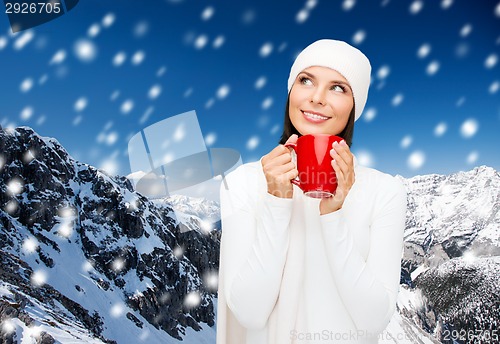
(314, 117)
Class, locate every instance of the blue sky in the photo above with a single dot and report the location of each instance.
(107, 69)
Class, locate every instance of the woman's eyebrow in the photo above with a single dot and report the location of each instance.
(331, 82)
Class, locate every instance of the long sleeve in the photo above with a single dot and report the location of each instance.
(368, 287)
(255, 241)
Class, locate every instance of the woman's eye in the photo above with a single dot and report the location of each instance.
(305, 81)
(338, 88)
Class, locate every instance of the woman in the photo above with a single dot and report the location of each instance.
(295, 269)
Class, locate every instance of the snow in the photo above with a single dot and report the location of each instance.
(252, 143)
(266, 49)
(138, 57)
(85, 50)
(469, 128)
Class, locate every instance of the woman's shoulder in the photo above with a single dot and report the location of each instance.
(371, 177)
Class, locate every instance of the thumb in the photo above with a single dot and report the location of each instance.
(292, 140)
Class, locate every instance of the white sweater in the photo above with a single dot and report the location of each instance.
(290, 275)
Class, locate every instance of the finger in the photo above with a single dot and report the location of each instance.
(279, 160)
(282, 169)
(292, 140)
(343, 150)
(277, 151)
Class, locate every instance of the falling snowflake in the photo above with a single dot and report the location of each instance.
(445, 4)
(180, 133)
(58, 57)
(119, 58)
(466, 30)
(11, 207)
(359, 36)
(114, 95)
(117, 310)
(161, 71)
(252, 143)
(39, 278)
(370, 114)
(266, 49)
(80, 104)
(188, 92)
(424, 50)
(30, 245)
(491, 61)
(267, 103)
(154, 91)
(416, 7)
(23, 40)
(248, 17)
(223, 91)
(365, 158)
(406, 141)
(15, 186)
(146, 115)
(168, 158)
(472, 157)
(432, 68)
(28, 156)
(497, 10)
(118, 264)
(207, 13)
(347, 5)
(192, 299)
(275, 129)
(41, 120)
(178, 252)
(138, 57)
(218, 42)
(127, 106)
(397, 100)
(462, 50)
(111, 138)
(261, 82)
(416, 160)
(85, 50)
(383, 72)
(3, 42)
(87, 266)
(108, 20)
(77, 120)
(440, 129)
(302, 16)
(469, 128)
(141, 29)
(211, 280)
(26, 85)
(8, 326)
(310, 4)
(495, 85)
(94, 30)
(210, 139)
(65, 229)
(109, 166)
(2, 162)
(27, 113)
(201, 41)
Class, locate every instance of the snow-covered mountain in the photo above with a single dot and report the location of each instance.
(84, 258)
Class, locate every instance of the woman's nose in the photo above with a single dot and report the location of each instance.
(318, 96)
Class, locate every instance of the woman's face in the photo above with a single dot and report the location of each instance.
(320, 101)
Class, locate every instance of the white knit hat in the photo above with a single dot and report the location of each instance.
(342, 57)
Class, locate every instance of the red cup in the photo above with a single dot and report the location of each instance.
(316, 177)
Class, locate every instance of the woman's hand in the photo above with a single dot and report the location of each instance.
(343, 164)
(280, 170)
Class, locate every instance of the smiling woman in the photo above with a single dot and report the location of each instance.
(293, 267)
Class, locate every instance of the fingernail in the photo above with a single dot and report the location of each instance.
(343, 142)
(335, 143)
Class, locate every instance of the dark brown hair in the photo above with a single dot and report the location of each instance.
(289, 129)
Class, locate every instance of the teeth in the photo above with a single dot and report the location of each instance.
(312, 115)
